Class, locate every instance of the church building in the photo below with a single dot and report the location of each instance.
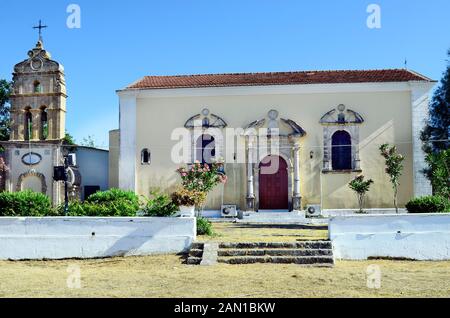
(329, 127)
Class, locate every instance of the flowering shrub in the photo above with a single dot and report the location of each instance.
(185, 197)
(394, 167)
(361, 187)
(202, 177)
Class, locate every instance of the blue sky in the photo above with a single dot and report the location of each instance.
(121, 41)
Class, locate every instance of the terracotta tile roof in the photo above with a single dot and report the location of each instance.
(278, 78)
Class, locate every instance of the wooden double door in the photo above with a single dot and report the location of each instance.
(273, 184)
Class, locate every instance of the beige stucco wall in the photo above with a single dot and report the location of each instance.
(387, 120)
(114, 136)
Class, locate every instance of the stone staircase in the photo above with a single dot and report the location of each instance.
(307, 253)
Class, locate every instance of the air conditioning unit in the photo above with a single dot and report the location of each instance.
(229, 211)
(313, 210)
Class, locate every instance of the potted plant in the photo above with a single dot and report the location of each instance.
(187, 200)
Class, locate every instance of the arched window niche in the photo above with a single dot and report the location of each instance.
(37, 87)
(207, 142)
(43, 134)
(206, 149)
(341, 153)
(341, 140)
(146, 157)
(28, 124)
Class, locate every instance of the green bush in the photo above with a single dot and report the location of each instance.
(429, 204)
(106, 197)
(26, 203)
(160, 205)
(204, 227)
(439, 172)
(113, 202)
(114, 208)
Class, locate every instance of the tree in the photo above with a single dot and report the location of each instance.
(68, 139)
(394, 168)
(89, 141)
(439, 164)
(435, 136)
(361, 187)
(5, 92)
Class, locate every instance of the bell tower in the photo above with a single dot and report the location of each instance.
(38, 114)
(38, 100)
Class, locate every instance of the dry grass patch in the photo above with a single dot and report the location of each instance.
(166, 276)
(240, 232)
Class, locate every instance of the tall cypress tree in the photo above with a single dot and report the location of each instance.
(436, 134)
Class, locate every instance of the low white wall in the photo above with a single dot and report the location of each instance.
(413, 236)
(78, 237)
(344, 212)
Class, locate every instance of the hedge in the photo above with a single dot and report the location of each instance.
(25, 203)
(429, 204)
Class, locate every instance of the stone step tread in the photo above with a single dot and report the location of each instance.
(196, 252)
(275, 252)
(307, 260)
(197, 245)
(193, 260)
(254, 245)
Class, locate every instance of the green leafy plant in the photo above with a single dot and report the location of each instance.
(114, 202)
(394, 168)
(106, 197)
(3, 169)
(68, 139)
(5, 120)
(185, 197)
(160, 205)
(118, 208)
(429, 204)
(204, 227)
(361, 187)
(202, 177)
(439, 172)
(25, 203)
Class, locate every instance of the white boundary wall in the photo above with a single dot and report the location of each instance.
(413, 236)
(83, 237)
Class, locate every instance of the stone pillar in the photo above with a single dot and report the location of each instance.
(420, 108)
(296, 195)
(250, 199)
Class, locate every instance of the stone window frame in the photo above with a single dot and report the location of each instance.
(346, 120)
(328, 132)
(206, 123)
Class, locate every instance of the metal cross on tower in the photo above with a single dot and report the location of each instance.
(40, 27)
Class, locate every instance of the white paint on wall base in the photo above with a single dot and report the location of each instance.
(65, 237)
(418, 237)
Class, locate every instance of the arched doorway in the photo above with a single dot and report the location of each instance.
(273, 184)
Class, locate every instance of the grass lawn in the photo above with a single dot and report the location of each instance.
(166, 276)
(241, 232)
